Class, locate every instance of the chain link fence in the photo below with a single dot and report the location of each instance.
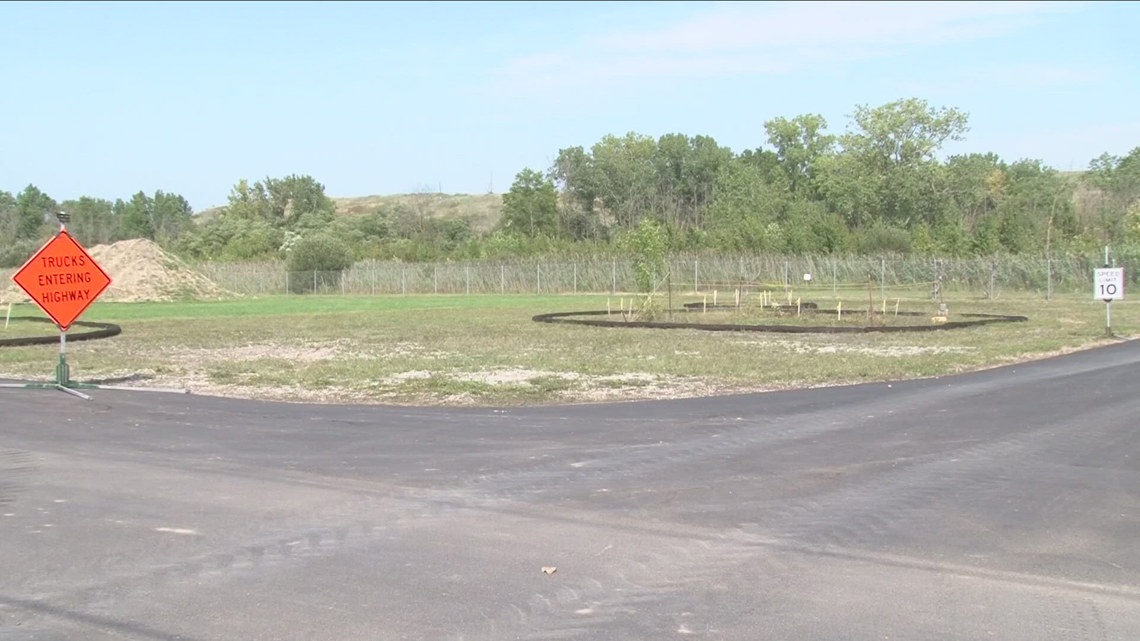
(986, 277)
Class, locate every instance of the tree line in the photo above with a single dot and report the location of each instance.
(881, 186)
(28, 218)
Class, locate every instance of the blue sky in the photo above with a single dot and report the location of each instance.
(106, 99)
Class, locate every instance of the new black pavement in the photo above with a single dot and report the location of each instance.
(998, 505)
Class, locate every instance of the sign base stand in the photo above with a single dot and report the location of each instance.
(64, 383)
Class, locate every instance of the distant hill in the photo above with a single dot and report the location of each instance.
(483, 210)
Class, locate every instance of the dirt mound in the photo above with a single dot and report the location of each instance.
(9, 292)
(140, 271)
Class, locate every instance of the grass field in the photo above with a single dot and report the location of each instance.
(485, 350)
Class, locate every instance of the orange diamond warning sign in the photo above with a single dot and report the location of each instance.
(62, 279)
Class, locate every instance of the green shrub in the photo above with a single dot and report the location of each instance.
(18, 252)
(646, 245)
(316, 262)
(883, 239)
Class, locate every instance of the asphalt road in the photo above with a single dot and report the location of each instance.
(998, 505)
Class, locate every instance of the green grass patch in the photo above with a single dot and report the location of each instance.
(20, 326)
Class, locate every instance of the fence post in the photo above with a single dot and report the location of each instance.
(538, 278)
(991, 294)
(937, 280)
(575, 277)
(286, 282)
(314, 281)
(342, 279)
(883, 278)
(613, 278)
(696, 275)
(435, 279)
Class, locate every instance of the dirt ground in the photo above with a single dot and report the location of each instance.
(193, 365)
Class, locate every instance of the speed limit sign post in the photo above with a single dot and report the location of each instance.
(1108, 286)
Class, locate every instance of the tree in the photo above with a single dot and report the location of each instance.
(531, 205)
(574, 173)
(809, 228)
(623, 168)
(171, 215)
(134, 216)
(317, 261)
(247, 202)
(743, 209)
(850, 188)
(975, 185)
(163, 217)
(1116, 183)
(92, 220)
(987, 236)
(1037, 208)
(799, 143)
(34, 210)
(1132, 226)
(767, 163)
(903, 133)
(230, 238)
(9, 222)
(896, 146)
(951, 238)
(575, 177)
(300, 202)
(293, 203)
(254, 221)
(686, 170)
(14, 252)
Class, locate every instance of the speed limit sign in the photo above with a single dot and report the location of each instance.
(1109, 284)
